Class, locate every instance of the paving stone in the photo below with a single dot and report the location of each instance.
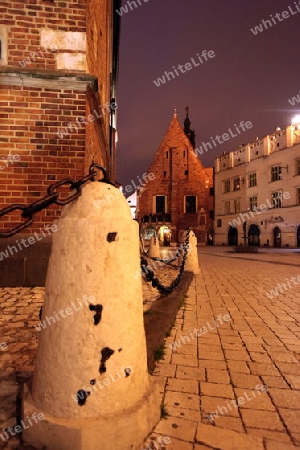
(231, 423)
(185, 386)
(185, 360)
(238, 366)
(254, 399)
(209, 363)
(190, 373)
(242, 380)
(219, 405)
(182, 400)
(291, 418)
(217, 376)
(277, 382)
(257, 368)
(183, 413)
(273, 435)
(285, 398)
(216, 390)
(165, 370)
(275, 445)
(228, 439)
(259, 419)
(176, 427)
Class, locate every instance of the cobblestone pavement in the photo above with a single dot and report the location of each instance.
(235, 385)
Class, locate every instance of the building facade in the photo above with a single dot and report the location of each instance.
(257, 192)
(58, 66)
(178, 192)
(58, 73)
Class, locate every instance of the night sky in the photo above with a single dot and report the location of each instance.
(251, 77)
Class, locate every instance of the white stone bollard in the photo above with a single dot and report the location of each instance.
(91, 381)
(154, 251)
(192, 262)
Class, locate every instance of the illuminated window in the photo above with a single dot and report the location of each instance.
(236, 184)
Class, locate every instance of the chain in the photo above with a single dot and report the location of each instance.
(149, 274)
(165, 261)
(28, 212)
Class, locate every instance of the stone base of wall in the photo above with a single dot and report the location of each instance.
(24, 266)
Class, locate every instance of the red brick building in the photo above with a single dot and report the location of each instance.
(58, 63)
(181, 193)
(58, 70)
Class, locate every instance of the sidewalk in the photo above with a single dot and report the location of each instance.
(253, 358)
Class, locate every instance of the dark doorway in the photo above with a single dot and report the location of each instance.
(253, 235)
(277, 237)
(298, 237)
(232, 236)
(210, 237)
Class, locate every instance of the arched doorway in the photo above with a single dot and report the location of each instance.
(232, 236)
(277, 237)
(253, 235)
(298, 236)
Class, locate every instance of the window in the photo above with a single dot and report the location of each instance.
(275, 173)
(211, 214)
(236, 206)
(297, 168)
(227, 207)
(226, 186)
(167, 155)
(165, 173)
(211, 191)
(252, 179)
(160, 204)
(253, 203)
(219, 223)
(298, 196)
(184, 153)
(277, 199)
(190, 204)
(236, 184)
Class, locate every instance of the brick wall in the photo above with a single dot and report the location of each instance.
(30, 121)
(26, 19)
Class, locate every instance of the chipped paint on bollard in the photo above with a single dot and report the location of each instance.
(93, 254)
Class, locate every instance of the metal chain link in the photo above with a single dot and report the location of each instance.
(165, 261)
(28, 212)
(149, 274)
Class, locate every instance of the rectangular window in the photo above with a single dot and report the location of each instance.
(252, 179)
(275, 173)
(190, 204)
(236, 184)
(253, 203)
(219, 223)
(226, 186)
(211, 191)
(298, 196)
(167, 155)
(236, 206)
(160, 204)
(277, 199)
(297, 167)
(227, 208)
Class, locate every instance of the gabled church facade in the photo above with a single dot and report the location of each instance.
(180, 195)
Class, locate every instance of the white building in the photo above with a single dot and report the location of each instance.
(257, 188)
